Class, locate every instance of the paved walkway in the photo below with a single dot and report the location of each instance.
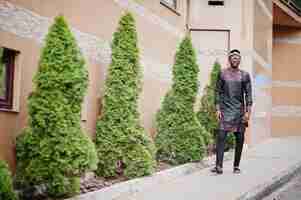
(259, 164)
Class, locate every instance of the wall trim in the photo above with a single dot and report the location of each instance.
(287, 40)
(286, 111)
(293, 84)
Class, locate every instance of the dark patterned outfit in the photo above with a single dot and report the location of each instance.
(233, 99)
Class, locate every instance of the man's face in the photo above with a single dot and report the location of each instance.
(234, 61)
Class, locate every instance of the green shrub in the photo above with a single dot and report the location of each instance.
(64, 185)
(179, 134)
(53, 150)
(207, 112)
(123, 146)
(6, 186)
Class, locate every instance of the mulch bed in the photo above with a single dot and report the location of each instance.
(94, 183)
(91, 182)
(97, 183)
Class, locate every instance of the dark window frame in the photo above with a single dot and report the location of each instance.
(216, 3)
(294, 5)
(171, 7)
(6, 102)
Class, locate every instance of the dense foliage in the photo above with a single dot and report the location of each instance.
(6, 186)
(53, 150)
(180, 136)
(123, 146)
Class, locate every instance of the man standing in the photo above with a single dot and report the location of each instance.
(233, 101)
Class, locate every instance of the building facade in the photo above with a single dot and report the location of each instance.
(215, 27)
(286, 71)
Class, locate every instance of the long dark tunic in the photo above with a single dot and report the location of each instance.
(233, 98)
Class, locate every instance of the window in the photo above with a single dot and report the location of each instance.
(216, 2)
(171, 4)
(7, 64)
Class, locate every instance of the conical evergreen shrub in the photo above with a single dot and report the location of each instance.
(6, 186)
(207, 112)
(54, 150)
(123, 146)
(180, 135)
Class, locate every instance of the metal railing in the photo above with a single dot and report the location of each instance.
(294, 5)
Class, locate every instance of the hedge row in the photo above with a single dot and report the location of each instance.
(54, 151)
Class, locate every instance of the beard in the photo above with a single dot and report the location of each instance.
(235, 65)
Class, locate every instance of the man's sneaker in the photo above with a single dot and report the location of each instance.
(236, 170)
(217, 170)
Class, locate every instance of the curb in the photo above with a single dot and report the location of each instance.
(265, 189)
(130, 187)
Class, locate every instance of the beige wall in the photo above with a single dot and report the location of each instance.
(262, 32)
(286, 96)
(210, 46)
(269, 5)
(286, 126)
(287, 82)
(262, 69)
(7, 148)
(11, 123)
(286, 56)
(159, 31)
(257, 43)
(229, 17)
(100, 18)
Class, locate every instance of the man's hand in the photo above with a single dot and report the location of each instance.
(246, 117)
(219, 115)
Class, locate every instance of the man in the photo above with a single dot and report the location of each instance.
(233, 99)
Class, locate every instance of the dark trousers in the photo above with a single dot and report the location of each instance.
(220, 147)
